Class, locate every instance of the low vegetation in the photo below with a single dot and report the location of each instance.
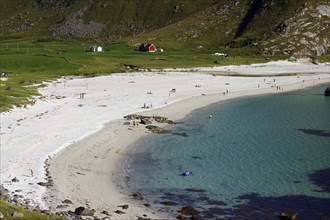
(27, 64)
(269, 27)
(8, 210)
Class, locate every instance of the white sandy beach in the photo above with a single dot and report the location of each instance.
(86, 137)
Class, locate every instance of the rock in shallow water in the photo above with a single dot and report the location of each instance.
(189, 210)
(138, 195)
(156, 129)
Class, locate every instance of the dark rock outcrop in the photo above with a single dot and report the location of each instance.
(105, 213)
(141, 218)
(57, 4)
(288, 215)
(75, 27)
(168, 203)
(158, 119)
(189, 210)
(123, 206)
(46, 184)
(156, 129)
(320, 133)
(79, 210)
(119, 212)
(145, 121)
(137, 195)
(327, 91)
(84, 211)
(67, 201)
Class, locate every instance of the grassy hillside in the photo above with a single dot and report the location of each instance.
(270, 27)
(131, 17)
(263, 25)
(210, 28)
(117, 18)
(8, 209)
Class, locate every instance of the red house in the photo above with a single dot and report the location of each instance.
(147, 47)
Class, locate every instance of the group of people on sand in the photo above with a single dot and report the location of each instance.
(224, 93)
(136, 123)
(147, 106)
(279, 88)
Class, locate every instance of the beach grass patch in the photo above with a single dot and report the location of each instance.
(8, 209)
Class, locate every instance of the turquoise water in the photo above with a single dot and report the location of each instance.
(256, 157)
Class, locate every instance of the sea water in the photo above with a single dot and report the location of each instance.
(253, 159)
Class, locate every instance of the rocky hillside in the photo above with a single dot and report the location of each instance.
(295, 27)
(307, 32)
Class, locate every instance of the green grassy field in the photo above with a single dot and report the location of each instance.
(29, 63)
(8, 209)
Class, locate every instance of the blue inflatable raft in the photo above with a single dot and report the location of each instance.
(187, 173)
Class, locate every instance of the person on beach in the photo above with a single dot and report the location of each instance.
(31, 171)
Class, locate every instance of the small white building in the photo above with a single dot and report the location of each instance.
(95, 49)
